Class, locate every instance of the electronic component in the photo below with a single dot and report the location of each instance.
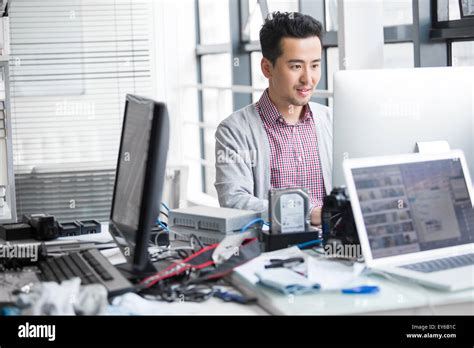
(206, 237)
(89, 226)
(18, 231)
(45, 227)
(276, 241)
(72, 228)
(223, 220)
(337, 219)
(289, 210)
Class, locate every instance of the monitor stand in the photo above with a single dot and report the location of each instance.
(427, 147)
(133, 275)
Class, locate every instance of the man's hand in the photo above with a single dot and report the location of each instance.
(316, 216)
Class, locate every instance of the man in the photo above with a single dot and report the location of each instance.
(283, 140)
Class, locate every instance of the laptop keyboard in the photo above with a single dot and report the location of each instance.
(442, 264)
(90, 265)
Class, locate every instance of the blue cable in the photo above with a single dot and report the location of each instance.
(165, 206)
(309, 243)
(163, 226)
(251, 223)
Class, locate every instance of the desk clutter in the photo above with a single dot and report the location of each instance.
(46, 227)
(292, 271)
(192, 250)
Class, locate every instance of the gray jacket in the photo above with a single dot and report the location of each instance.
(243, 157)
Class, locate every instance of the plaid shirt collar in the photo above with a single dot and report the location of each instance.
(271, 115)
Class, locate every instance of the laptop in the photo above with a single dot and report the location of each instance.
(414, 216)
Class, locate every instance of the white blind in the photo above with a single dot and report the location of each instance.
(72, 63)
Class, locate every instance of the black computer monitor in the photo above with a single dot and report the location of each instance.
(139, 179)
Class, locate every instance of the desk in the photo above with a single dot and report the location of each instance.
(393, 298)
(396, 297)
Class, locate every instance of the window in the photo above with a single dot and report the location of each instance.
(282, 5)
(448, 10)
(398, 55)
(215, 74)
(72, 63)
(217, 105)
(258, 80)
(395, 12)
(462, 53)
(214, 22)
(255, 20)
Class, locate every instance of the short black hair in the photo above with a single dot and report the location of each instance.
(286, 24)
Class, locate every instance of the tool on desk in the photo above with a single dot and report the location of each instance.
(286, 281)
(287, 263)
(233, 297)
(363, 289)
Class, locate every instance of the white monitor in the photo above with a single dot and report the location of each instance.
(386, 112)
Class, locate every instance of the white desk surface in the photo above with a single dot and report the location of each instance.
(393, 298)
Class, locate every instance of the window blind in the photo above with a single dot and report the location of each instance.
(72, 63)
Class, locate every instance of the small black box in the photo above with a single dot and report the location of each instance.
(69, 229)
(89, 226)
(278, 241)
(16, 231)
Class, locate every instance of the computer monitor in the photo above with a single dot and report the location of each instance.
(139, 179)
(386, 112)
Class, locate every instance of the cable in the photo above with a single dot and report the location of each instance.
(251, 223)
(157, 235)
(309, 243)
(165, 206)
(162, 225)
(193, 236)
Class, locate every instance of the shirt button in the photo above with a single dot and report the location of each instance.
(300, 159)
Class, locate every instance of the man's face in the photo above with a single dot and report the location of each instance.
(296, 72)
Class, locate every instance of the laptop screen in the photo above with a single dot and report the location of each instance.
(411, 207)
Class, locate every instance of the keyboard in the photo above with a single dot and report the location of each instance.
(89, 265)
(442, 264)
